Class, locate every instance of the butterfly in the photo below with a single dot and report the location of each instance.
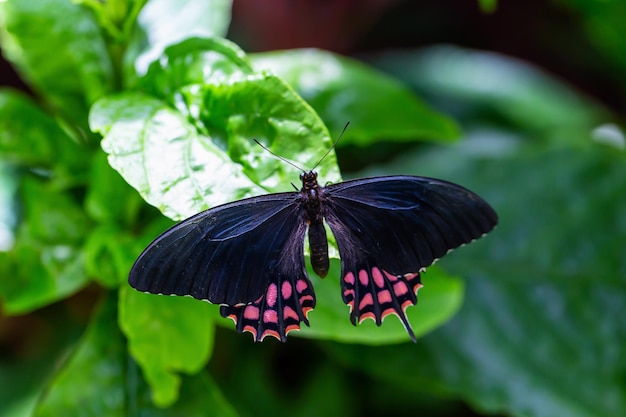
(248, 255)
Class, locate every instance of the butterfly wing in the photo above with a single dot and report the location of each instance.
(246, 255)
(389, 228)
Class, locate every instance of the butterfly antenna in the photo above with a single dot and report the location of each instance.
(278, 156)
(332, 147)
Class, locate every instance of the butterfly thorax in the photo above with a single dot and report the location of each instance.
(312, 196)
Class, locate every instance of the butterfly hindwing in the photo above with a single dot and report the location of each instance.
(244, 255)
(285, 304)
(389, 228)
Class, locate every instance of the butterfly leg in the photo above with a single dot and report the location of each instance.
(375, 293)
(285, 303)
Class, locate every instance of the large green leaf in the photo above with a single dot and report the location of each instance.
(100, 379)
(261, 106)
(193, 61)
(32, 347)
(159, 153)
(342, 90)
(541, 332)
(166, 335)
(182, 171)
(58, 48)
(46, 263)
(93, 381)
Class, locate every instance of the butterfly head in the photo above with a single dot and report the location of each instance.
(309, 180)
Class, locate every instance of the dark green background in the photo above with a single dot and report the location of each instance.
(520, 101)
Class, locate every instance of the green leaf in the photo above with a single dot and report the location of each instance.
(166, 335)
(46, 262)
(160, 154)
(182, 169)
(29, 135)
(162, 23)
(100, 379)
(200, 396)
(109, 198)
(33, 139)
(262, 106)
(32, 348)
(93, 381)
(539, 333)
(33, 275)
(439, 300)
(342, 90)
(109, 254)
(53, 214)
(193, 61)
(57, 47)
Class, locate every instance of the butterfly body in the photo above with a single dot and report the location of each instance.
(248, 255)
(312, 200)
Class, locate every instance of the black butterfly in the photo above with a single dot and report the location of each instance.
(248, 255)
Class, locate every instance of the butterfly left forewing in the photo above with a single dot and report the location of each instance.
(389, 228)
(245, 255)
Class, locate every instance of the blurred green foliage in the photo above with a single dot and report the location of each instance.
(141, 101)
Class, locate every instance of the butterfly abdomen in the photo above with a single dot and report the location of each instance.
(318, 245)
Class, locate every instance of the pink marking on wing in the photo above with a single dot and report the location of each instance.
(292, 327)
(368, 315)
(379, 280)
(390, 277)
(349, 278)
(406, 304)
(367, 300)
(271, 295)
(251, 312)
(349, 292)
(306, 310)
(301, 286)
(417, 287)
(410, 275)
(233, 317)
(286, 290)
(270, 316)
(363, 277)
(306, 298)
(250, 329)
(289, 313)
(384, 297)
(388, 312)
(270, 332)
(400, 289)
